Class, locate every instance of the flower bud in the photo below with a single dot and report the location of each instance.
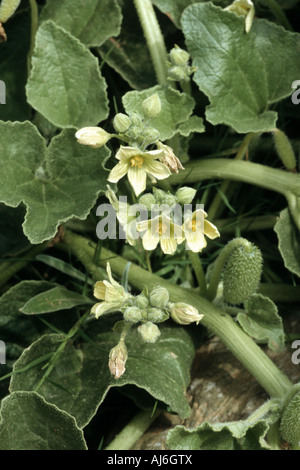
(243, 8)
(169, 199)
(93, 136)
(178, 56)
(178, 73)
(149, 332)
(184, 314)
(284, 149)
(156, 315)
(132, 314)
(290, 421)
(147, 200)
(151, 106)
(241, 273)
(159, 297)
(141, 301)
(185, 195)
(117, 360)
(121, 122)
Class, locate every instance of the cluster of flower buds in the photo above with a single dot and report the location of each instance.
(136, 129)
(146, 309)
(179, 69)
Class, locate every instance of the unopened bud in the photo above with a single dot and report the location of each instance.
(151, 106)
(159, 297)
(117, 360)
(151, 135)
(178, 56)
(149, 332)
(132, 314)
(147, 200)
(185, 195)
(121, 122)
(156, 315)
(178, 73)
(141, 301)
(93, 136)
(184, 314)
(243, 8)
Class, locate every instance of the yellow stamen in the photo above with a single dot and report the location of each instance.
(161, 228)
(137, 160)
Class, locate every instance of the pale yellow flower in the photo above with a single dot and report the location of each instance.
(184, 314)
(195, 227)
(137, 165)
(124, 215)
(161, 230)
(111, 293)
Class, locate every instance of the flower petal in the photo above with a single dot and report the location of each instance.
(156, 169)
(149, 241)
(125, 153)
(137, 178)
(117, 172)
(168, 245)
(195, 241)
(99, 290)
(210, 230)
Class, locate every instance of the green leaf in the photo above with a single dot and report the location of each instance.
(193, 124)
(55, 183)
(91, 21)
(65, 84)
(237, 71)
(13, 67)
(161, 369)
(128, 54)
(288, 241)
(57, 298)
(176, 108)
(235, 435)
(40, 425)
(262, 322)
(20, 329)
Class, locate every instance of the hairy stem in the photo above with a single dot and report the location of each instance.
(154, 38)
(199, 273)
(272, 179)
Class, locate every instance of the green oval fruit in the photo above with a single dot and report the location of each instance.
(241, 274)
(290, 421)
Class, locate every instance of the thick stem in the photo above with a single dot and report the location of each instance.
(241, 345)
(132, 431)
(294, 207)
(154, 38)
(272, 179)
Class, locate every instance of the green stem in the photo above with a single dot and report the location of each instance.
(132, 431)
(199, 273)
(239, 343)
(220, 263)
(264, 176)
(154, 38)
(34, 27)
(217, 203)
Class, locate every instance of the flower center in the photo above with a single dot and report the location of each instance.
(194, 224)
(161, 228)
(137, 161)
